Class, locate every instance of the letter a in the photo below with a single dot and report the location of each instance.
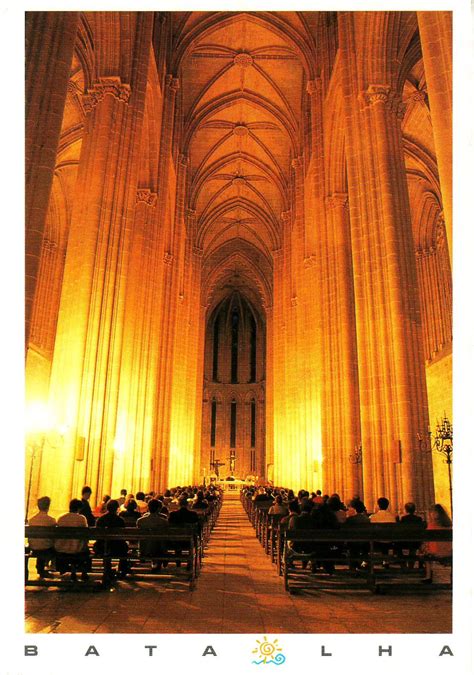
(92, 650)
(209, 650)
(446, 650)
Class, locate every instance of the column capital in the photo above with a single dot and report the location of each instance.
(277, 252)
(147, 196)
(285, 216)
(294, 301)
(377, 94)
(197, 251)
(168, 258)
(183, 160)
(337, 199)
(111, 86)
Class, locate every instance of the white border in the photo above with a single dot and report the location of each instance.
(60, 653)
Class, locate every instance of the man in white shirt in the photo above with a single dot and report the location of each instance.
(42, 548)
(383, 515)
(73, 553)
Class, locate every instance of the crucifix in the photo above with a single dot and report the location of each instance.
(215, 465)
(232, 462)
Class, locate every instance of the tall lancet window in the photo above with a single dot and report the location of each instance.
(234, 347)
(253, 350)
(215, 352)
(252, 422)
(213, 422)
(233, 422)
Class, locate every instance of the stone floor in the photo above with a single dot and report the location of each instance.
(238, 591)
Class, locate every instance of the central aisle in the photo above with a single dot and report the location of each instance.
(238, 591)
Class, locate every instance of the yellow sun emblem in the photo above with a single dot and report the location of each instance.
(269, 651)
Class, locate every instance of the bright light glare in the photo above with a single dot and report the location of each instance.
(38, 417)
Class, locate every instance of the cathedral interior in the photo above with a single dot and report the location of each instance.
(238, 251)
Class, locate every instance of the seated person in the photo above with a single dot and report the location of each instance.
(294, 511)
(123, 497)
(73, 554)
(382, 516)
(325, 518)
(182, 517)
(43, 549)
(411, 519)
(102, 507)
(85, 509)
(131, 513)
(201, 504)
(358, 551)
(141, 503)
(114, 549)
(153, 520)
(278, 508)
(438, 519)
(335, 504)
(303, 521)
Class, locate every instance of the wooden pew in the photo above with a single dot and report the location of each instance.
(374, 570)
(187, 538)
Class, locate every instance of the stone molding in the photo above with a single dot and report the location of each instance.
(172, 82)
(313, 86)
(111, 86)
(147, 196)
(310, 261)
(49, 244)
(419, 96)
(337, 200)
(297, 163)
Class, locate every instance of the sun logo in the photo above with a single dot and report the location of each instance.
(269, 652)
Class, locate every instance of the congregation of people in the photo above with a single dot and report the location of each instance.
(176, 507)
(313, 511)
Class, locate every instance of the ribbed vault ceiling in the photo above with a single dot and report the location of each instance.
(240, 98)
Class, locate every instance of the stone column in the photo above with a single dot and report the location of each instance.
(342, 356)
(85, 377)
(276, 361)
(174, 236)
(392, 381)
(50, 38)
(436, 35)
(132, 464)
(164, 261)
